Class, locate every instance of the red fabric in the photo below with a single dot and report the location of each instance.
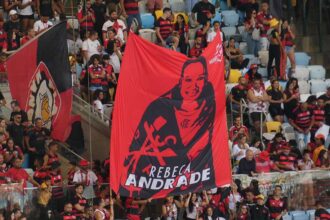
(159, 130)
(17, 175)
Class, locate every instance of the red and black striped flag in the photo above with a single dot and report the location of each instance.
(40, 79)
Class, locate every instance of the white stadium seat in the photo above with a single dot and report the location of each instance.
(263, 56)
(263, 72)
(304, 87)
(148, 34)
(243, 47)
(318, 86)
(230, 18)
(304, 97)
(317, 72)
(229, 31)
(302, 73)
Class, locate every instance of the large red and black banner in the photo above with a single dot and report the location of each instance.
(169, 132)
(40, 79)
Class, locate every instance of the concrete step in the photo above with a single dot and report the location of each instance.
(311, 44)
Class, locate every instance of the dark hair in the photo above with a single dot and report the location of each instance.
(166, 9)
(14, 102)
(265, 1)
(289, 83)
(278, 186)
(78, 185)
(97, 93)
(215, 22)
(97, 201)
(292, 143)
(311, 99)
(112, 29)
(191, 204)
(305, 152)
(92, 32)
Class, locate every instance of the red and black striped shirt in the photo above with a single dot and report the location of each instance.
(165, 27)
(131, 7)
(97, 71)
(302, 119)
(287, 160)
(57, 189)
(276, 206)
(322, 214)
(319, 117)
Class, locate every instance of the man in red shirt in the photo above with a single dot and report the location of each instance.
(18, 175)
(237, 129)
(197, 49)
(164, 30)
(30, 34)
(264, 17)
(264, 164)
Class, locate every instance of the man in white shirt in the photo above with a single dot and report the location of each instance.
(116, 24)
(86, 177)
(42, 24)
(211, 35)
(91, 46)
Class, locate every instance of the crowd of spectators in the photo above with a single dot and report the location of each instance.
(95, 60)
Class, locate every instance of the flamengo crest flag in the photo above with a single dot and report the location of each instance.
(40, 79)
(169, 131)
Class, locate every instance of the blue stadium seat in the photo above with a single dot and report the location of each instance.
(311, 214)
(287, 217)
(229, 31)
(148, 21)
(178, 6)
(301, 216)
(230, 18)
(302, 58)
(316, 72)
(217, 17)
(283, 84)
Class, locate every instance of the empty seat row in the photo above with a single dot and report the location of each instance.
(313, 87)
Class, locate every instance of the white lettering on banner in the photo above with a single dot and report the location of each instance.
(180, 177)
(218, 55)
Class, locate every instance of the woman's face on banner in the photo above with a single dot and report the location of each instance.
(193, 82)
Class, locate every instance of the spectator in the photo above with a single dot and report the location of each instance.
(100, 212)
(51, 156)
(197, 49)
(291, 97)
(154, 5)
(78, 201)
(56, 182)
(99, 10)
(237, 129)
(257, 103)
(117, 24)
(235, 199)
(111, 79)
(238, 95)
(321, 213)
(40, 172)
(302, 121)
(97, 104)
(319, 146)
(13, 29)
(68, 211)
(286, 161)
(319, 117)
(277, 204)
(17, 109)
(86, 17)
(26, 14)
(36, 140)
(12, 152)
(326, 96)
(86, 177)
(135, 207)
(115, 57)
(71, 171)
(181, 30)
(239, 149)
(306, 163)
(91, 46)
(274, 50)
(130, 10)
(192, 206)
(170, 208)
(205, 11)
(30, 35)
(253, 74)
(276, 100)
(213, 32)
(9, 5)
(287, 38)
(243, 213)
(16, 130)
(249, 198)
(44, 8)
(3, 37)
(260, 211)
(164, 30)
(17, 174)
(322, 160)
(237, 60)
(264, 164)
(264, 18)
(96, 73)
(252, 28)
(211, 214)
(111, 36)
(247, 165)
(42, 24)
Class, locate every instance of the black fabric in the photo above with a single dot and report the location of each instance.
(76, 138)
(49, 44)
(246, 167)
(201, 8)
(275, 108)
(274, 53)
